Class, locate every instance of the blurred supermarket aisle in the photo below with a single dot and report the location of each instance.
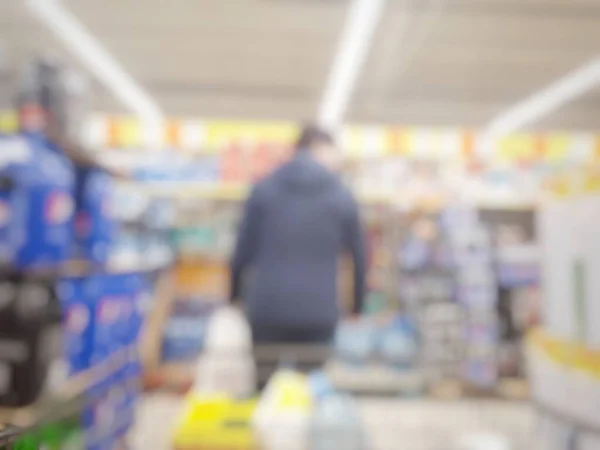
(391, 423)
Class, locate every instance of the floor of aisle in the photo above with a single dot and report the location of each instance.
(392, 424)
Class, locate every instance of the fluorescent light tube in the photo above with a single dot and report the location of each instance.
(96, 58)
(545, 101)
(361, 22)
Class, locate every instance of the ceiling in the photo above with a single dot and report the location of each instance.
(433, 62)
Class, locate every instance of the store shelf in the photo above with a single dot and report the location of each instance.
(80, 268)
(375, 379)
(238, 192)
(67, 400)
(212, 191)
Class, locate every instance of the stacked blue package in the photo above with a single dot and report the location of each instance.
(38, 225)
(111, 293)
(78, 300)
(96, 226)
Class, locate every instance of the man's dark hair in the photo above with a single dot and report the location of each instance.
(312, 135)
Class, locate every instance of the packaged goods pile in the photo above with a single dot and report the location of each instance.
(77, 264)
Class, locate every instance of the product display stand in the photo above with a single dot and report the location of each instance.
(566, 391)
(564, 354)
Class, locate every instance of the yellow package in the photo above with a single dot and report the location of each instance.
(215, 423)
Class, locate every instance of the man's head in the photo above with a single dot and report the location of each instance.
(320, 145)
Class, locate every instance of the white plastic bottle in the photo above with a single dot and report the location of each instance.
(282, 418)
(227, 366)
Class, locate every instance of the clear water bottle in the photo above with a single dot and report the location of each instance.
(337, 425)
(355, 342)
(398, 344)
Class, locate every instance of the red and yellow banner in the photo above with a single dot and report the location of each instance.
(357, 141)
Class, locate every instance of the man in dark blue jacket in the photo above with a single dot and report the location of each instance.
(296, 224)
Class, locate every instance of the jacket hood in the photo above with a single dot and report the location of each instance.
(303, 175)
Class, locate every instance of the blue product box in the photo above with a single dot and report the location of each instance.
(14, 152)
(41, 219)
(6, 247)
(123, 329)
(111, 293)
(96, 226)
(78, 298)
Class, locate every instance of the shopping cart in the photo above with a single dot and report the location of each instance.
(9, 434)
(302, 357)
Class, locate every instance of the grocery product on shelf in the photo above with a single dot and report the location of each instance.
(183, 337)
(56, 267)
(78, 307)
(101, 316)
(477, 293)
(38, 202)
(443, 340)
(517, 266)
(94, 221)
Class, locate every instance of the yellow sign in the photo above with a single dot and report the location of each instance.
(363, 141)
(129, 133)
(556, 147)
(220, 133)
(399, 141)
(8, 122)
(518, 147)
